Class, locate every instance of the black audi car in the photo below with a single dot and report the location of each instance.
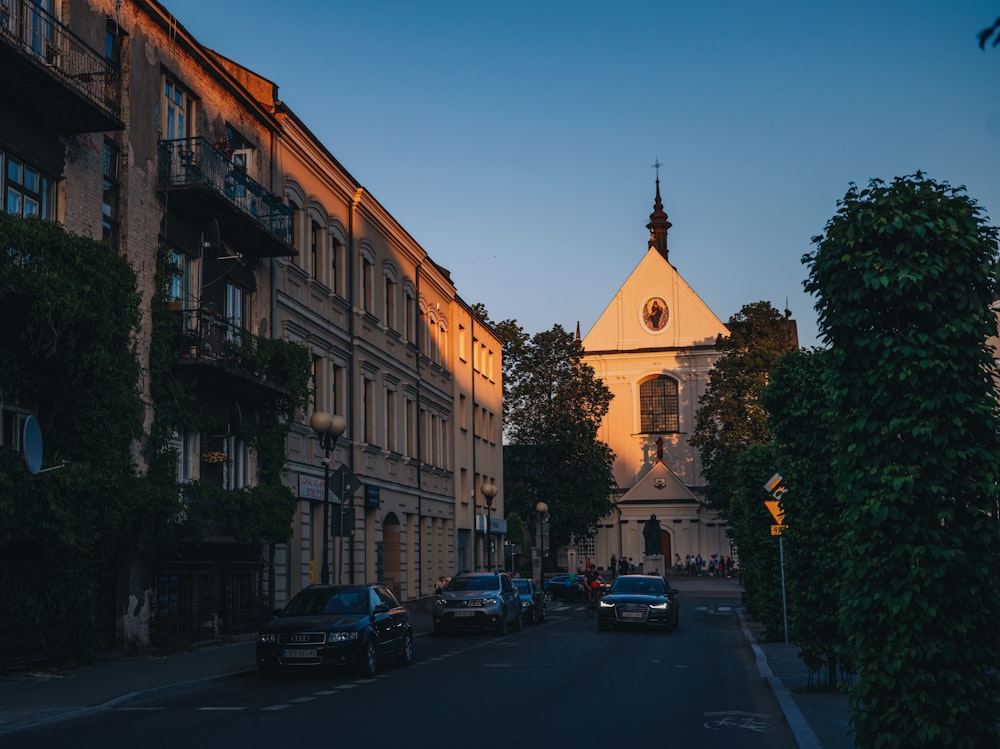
(639, 601)
(337, 625)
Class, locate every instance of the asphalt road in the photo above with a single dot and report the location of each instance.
(557, 684)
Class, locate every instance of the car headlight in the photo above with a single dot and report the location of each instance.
(341, 636)
(605, 604)
(660, 606)
(493, 601)
(267, 638)
(442, 602)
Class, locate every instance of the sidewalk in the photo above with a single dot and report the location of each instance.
(818, 720)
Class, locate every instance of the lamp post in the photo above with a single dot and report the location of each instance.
(328, 428)
(489, 491)
(543, 510)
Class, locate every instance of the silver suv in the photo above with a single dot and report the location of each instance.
(478, 600)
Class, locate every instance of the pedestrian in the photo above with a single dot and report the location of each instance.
(613, 567)
(623, 566)
(631, 566)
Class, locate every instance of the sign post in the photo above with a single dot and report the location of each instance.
(776, 490)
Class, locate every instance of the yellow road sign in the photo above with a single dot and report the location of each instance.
(777, 529)
(776, 512)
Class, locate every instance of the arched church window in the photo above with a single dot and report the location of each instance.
(658, 406)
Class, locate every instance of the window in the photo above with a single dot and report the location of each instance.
(409, 315)
(336, 262)
(367, 284)
(315, 243)
(113, 43)
(390, 302)
(27, 192)
(178, 107)
(658, 406)
(368, 411)
(390, 420)
(237, 302)
(111, 191)
(236, 471)
(178, 287)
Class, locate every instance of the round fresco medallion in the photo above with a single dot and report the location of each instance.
(655, 314)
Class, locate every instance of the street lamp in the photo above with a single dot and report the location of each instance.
(489, 492)
(328, 428)
(543, 510)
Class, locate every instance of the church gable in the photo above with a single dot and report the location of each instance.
(654, 308)
(659, 485)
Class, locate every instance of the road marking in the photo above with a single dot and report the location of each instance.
(307, 698)
(277, 707)
(325, 693)
(347, 686)
(139, 709)
(213, 709)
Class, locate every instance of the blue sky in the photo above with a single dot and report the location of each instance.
(515, 140)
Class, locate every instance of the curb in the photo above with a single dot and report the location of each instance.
(794, 718)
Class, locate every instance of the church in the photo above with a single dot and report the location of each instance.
(654, 346)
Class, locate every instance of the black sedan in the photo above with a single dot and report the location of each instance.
(532, 600)
(335, 625)
(639, 601)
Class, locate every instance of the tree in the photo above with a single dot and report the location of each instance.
(798, 401)
(905, 274)
(991, 32)
(730, 417)
(553, 406)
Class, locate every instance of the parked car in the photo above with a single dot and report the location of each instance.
(478, 600)
(639, 601)
(532, 600)
(562, 588)
(336, 625)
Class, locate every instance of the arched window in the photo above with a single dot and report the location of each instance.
(658, 406)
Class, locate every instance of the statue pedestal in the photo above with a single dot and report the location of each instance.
(652, 564)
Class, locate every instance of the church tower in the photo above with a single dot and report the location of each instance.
(653, 346)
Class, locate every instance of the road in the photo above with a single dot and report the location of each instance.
(557, 684)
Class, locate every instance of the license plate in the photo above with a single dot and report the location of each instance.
(299, 653)
(465, 613)
(633, 615)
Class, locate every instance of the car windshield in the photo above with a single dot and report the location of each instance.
(474, 582)
(642, 586)
(523, 586)
(328, 601)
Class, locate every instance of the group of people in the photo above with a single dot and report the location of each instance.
(694, 565)
(621, 566)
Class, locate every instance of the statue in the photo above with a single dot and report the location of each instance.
(652, 533)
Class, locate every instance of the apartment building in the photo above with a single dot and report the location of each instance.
(246, 234)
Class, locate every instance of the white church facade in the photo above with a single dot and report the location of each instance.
(653, 346)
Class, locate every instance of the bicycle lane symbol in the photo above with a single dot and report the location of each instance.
(757, 722)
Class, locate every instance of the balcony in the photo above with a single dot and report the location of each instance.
(224, 355)
(52, 72)
(206, 184)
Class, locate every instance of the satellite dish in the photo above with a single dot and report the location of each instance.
(32, 442)
(211, 239)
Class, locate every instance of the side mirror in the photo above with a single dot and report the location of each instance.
(381, 609)
(673, 592)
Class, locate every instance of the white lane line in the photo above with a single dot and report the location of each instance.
(325, 693)
(308, 698)
(277, 707)
(139, 709)
(211, 709)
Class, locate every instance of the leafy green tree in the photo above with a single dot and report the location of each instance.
(730, 417)
(798, 402)
(553, 406)
(905, 274)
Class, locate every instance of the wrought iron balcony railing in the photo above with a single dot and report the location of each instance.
(198, 167)
(33, 38)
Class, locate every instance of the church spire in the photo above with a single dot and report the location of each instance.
(658, 224)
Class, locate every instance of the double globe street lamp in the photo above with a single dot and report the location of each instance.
(328, 428)
(489, 491)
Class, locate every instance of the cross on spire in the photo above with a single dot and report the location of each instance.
(656, 165)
